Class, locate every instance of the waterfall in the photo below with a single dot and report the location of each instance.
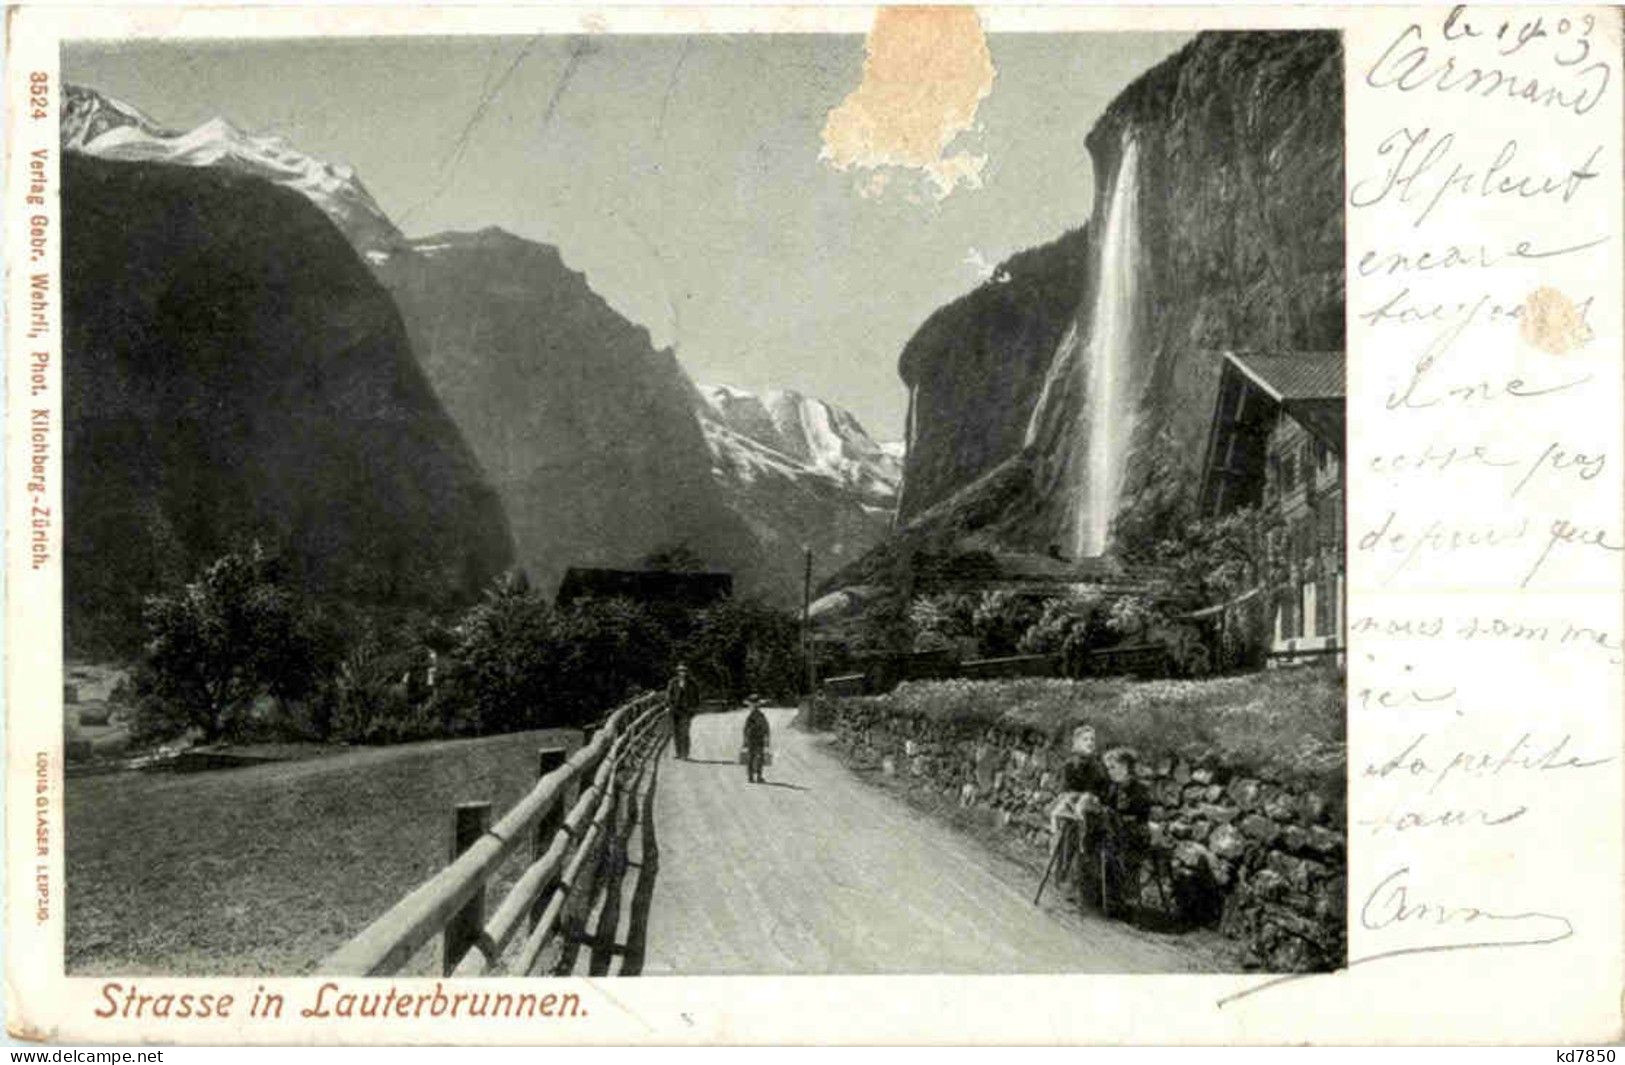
(1107, 363)
(913, 414)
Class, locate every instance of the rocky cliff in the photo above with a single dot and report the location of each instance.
(985, 355)
(232, 371)
(1236, 243)
(586, 430)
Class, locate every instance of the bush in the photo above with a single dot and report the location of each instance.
(382, 693)
(1071, 625)
(221, 642)
(1133, 616)
(818, 713)
(1000, 619)
(941, 621)
(1245, 635)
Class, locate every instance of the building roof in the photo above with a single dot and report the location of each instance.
(1289, 376)
(1253, 388)
(680, 586)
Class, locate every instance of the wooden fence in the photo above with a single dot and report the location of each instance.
(1143, 660)
(576, 820)
(881, 675)
(1012, 666)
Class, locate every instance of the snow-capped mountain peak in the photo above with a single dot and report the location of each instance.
(97, 124)
(801, 473)
(818, 437)
(87, 115)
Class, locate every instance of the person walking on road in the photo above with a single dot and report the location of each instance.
(683, 696)
(757, 736)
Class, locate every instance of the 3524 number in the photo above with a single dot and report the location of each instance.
(39, 99)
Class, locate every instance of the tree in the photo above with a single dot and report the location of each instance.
(518, 662)
(1202, 560)
(884, 624)
(1216, 559)
(744, 645)
(607, 649)
(504, 660)
(220, 642)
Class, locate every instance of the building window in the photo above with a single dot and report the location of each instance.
(1328, 529)
(1288, 472)
(1326, 610)
(1288, 607)
(1322, 455)
(1302, 544)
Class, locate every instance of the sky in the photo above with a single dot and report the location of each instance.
(680, 174)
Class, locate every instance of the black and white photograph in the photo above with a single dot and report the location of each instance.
(668, 504)
(727, 525)
(704, 504)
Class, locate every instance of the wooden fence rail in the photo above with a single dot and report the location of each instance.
(571, 828)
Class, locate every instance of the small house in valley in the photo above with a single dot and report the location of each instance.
(649, 587)
(1276, 445)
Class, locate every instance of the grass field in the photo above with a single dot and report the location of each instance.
(266, 870)
(1289, 719)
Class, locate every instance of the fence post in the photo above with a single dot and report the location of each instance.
(547, 760)
(593, 869)
(470, 820)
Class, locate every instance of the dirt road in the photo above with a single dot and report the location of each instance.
(818, 872)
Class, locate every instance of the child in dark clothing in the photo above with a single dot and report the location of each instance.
(757, 735)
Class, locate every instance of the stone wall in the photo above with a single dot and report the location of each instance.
(1251, 851)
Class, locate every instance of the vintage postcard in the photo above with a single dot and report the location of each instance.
(541, 525)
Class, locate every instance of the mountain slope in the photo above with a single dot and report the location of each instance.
(232, 371)
(586, 429)
(975, 367)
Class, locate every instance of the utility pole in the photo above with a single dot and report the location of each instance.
(806, 624)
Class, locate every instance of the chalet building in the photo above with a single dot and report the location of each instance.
(1276, 444)
(649, 587)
